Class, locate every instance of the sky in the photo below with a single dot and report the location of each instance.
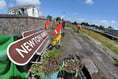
(99, 12)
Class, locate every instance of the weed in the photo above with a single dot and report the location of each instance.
(102, 39)
(51, 63)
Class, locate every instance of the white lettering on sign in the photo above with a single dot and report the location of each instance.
(29, 45)
(21, 50)
(43, 34)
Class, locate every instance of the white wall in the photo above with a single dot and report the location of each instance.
(30, 12)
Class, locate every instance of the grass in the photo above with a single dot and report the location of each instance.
(53, 53)
(116, 60)
(106, 42)
(111, 44)
(102, 39)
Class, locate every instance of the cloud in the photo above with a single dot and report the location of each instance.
(80, 20)
(68, 19)
(113, 22)
(2, 4)
(98, 22)
(89, 2)
(105, 22)
(28, 2)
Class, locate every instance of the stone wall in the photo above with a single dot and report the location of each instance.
(14, 24)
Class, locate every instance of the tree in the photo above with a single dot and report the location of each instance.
(49, 18)
(101, 27)
(85, 24)
(110, 27)
(93, 25)
(75, 23)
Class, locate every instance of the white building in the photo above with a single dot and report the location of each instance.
(29, 10)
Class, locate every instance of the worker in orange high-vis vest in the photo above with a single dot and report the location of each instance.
(47, 24)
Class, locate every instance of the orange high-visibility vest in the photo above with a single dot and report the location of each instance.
(46, 26)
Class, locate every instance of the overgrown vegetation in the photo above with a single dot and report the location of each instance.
(51, 63)
(102, 39)
(116, 60)
(108, 43)
(72, 65)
